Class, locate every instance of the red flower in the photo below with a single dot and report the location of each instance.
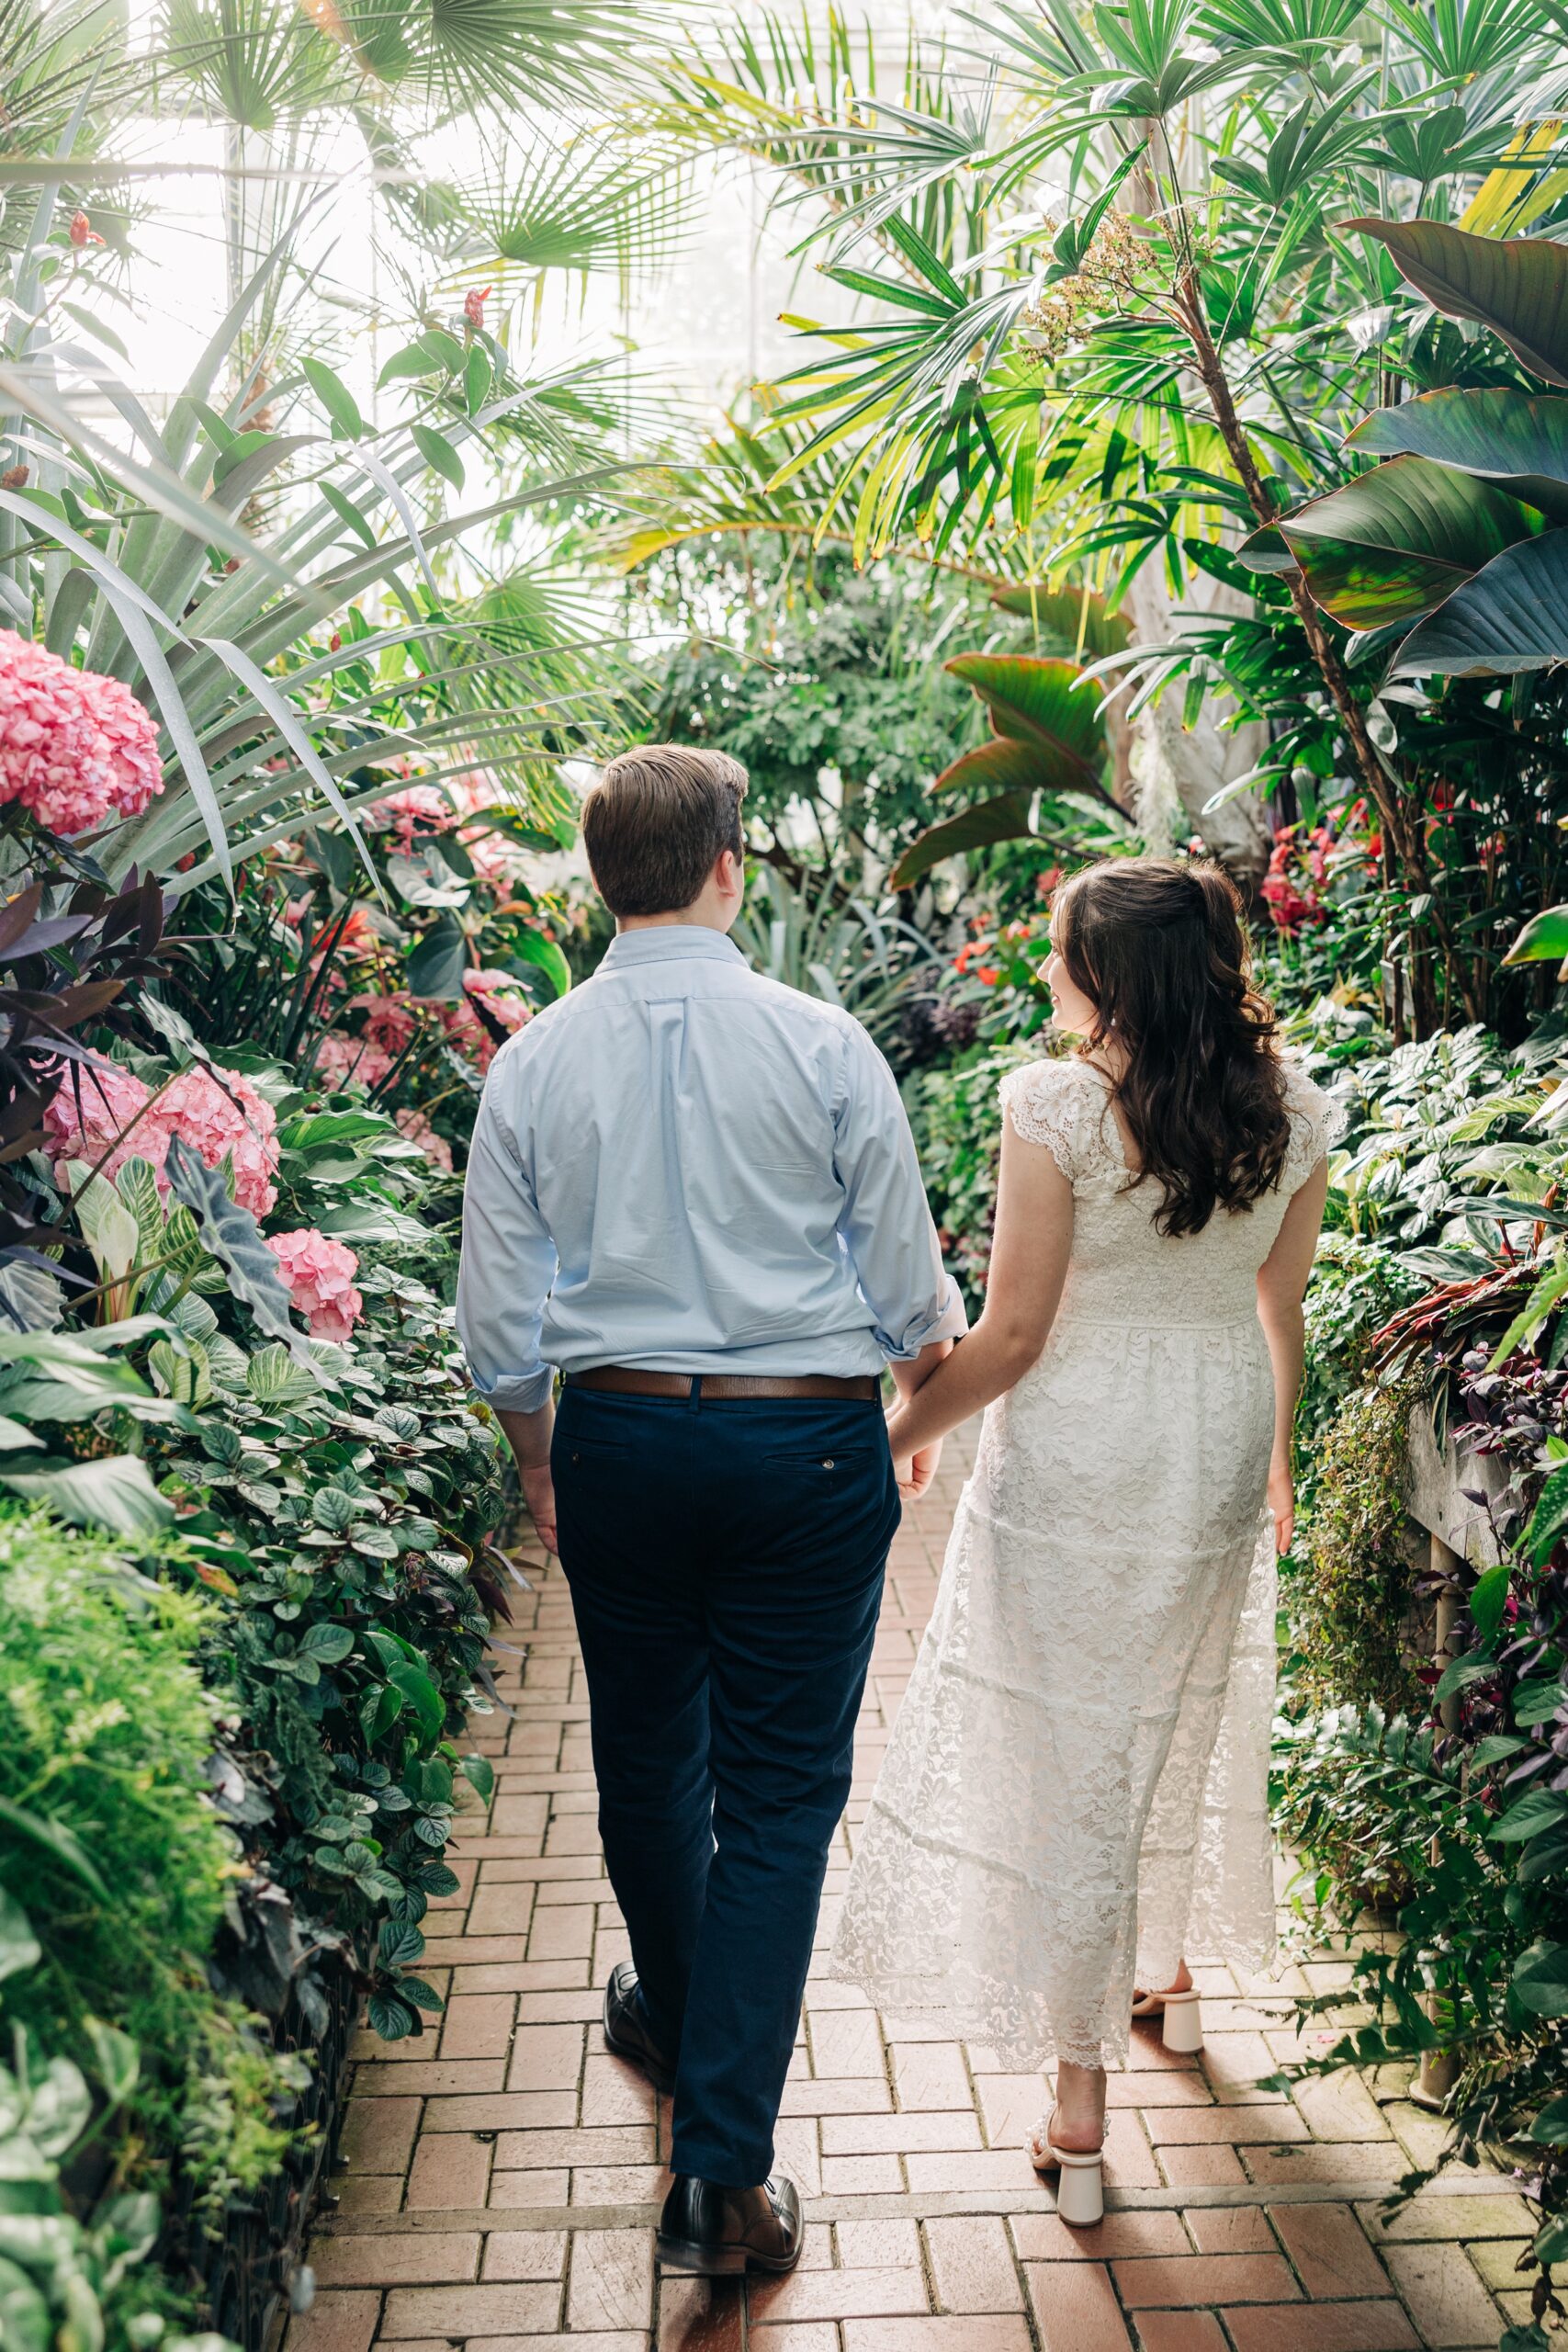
(474, 305)
(334, 643)
(83, 231)
(989, 974)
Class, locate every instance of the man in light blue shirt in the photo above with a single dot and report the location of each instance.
(694, 1193)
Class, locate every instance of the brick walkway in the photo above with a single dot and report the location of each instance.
(502, 2183)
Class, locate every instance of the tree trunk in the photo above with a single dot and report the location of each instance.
(1403, 823)
(1177, 770)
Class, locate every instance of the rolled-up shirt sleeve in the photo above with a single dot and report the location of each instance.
(887, 1224)
(508, 1265)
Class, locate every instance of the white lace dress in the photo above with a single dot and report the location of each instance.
(1074, 1794)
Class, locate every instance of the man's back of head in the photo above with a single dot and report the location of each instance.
(662, 831)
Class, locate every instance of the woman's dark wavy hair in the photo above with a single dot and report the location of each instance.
(1159, 948)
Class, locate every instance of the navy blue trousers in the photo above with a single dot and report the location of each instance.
(725, 1562)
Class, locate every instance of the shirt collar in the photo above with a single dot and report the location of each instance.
(668, 943)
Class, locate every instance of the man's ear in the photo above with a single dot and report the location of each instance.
(730, 874)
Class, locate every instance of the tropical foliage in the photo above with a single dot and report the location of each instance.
(1115, 289)
(291, 676)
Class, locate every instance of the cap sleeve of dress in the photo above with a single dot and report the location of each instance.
(1044, 1102)
(1311, 1115)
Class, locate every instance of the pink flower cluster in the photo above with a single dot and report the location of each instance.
(422, 805)
(390, 1020)
(320, 1273)
(74, 747)
(416, 1128)
(367, 1059)
(120, 1117)
(500, 996)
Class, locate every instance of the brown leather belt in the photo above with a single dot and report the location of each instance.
(620, 1380)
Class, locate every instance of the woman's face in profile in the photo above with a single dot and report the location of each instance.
(1071, 1010)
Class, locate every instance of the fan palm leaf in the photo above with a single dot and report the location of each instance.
(582, 206)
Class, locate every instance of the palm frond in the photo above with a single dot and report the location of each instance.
(468, 57)
(587, 206)
(251, 62)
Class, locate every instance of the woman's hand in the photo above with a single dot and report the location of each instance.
(913, 1471)
(1282, 1502)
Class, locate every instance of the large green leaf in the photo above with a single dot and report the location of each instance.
(1048, 704)
(1390, 546)
(112, 1491)
(1507, 438)
(1545, 939)
(1540, 1980)
(1511, 617)
(1000, 764)
(1075, 615)
(1515, 286)
(438, 960)
(19, 1948)
(1005, 820)
(234, 1237)
(535, 948)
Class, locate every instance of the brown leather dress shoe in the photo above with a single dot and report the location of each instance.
(722, 2233)
(625, 2031)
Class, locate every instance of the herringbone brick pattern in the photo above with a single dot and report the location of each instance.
(503, 2175)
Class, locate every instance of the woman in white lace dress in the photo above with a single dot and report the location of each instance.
(1075, 1792)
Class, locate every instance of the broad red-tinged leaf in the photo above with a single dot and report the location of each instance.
(1512, 615)
(1067, 613)
(1391, 545)
(1042, 702)
(1507, 438)
(1005, 820)
(1515, 286)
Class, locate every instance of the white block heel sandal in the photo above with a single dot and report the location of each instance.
(1080, 2190)
(1180, 2016)
(1183, 2025)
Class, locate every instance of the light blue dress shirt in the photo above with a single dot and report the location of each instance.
(684, 1167)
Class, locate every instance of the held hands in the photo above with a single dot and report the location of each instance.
(913, 1471)
(1282, 1503)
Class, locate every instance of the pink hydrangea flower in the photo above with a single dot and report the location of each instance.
(111, 1098)
(74, 747)
(418, 1129)
(195, 1107)
(320, 1274)
(198, 1108)
(367, 1059)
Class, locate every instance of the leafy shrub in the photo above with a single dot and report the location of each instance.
(1349, 1602)
(69, 2284)
(110, 1847)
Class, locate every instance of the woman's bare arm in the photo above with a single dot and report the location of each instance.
(1281, 1286)
(1030, 1251)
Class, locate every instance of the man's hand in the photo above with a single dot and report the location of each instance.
(920, 1472)
(539, 1494)
(529, 1435)
(914, 1472)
